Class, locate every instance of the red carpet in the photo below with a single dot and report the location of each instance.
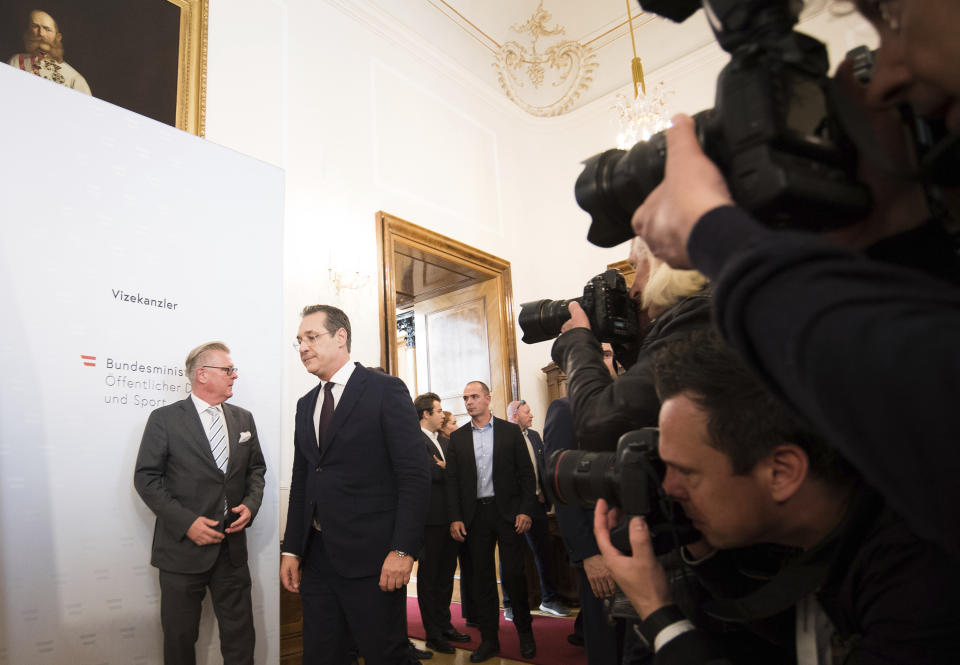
(549, 632)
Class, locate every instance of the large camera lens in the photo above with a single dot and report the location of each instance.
(614, 183)
(541, 320)
(578, 477)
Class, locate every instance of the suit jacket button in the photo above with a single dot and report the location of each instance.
(319, 469)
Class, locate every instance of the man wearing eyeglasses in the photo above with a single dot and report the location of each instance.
(538, 537)
(358, 500)
(201, 471)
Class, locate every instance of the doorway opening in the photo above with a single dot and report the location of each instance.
(446, 315)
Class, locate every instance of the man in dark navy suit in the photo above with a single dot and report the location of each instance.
(439, 559)
(491, 491)
(358, 497)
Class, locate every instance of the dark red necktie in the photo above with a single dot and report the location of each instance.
(326, 413)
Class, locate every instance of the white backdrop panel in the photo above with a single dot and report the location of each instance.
(97, 203)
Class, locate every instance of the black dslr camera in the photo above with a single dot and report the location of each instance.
(774, 130)
(629, 479)
(607, 303)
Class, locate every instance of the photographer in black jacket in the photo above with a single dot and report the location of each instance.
(604, 407)
(861, 343)
(747, 471)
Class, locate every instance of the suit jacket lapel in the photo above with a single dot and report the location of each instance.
(468, 456)
(349, 399)
(194, 425)
(305, 424)
(233, 434)
(498, 439)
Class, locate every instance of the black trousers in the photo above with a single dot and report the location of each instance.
(487, 531)
(538, 540)
(181, 596)
(338, 611)
(468, 608)
(435, 579)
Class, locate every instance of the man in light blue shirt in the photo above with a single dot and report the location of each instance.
(491, 493)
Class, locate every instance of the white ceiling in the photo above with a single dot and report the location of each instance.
(476, 35)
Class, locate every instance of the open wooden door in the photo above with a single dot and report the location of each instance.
(462, 303)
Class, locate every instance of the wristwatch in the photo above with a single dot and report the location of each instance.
(400, 553)
(657, 621)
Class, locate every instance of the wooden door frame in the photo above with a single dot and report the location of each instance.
(390, 230)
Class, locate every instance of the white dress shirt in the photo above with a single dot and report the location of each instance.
(339, 379)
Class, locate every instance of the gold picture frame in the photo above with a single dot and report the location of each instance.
(192, 70)
(160, 73)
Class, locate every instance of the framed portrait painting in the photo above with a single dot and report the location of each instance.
(148, 56)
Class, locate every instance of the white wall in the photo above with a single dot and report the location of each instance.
(97, 202)
(365, 116)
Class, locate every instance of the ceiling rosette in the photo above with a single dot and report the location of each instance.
(546, 77)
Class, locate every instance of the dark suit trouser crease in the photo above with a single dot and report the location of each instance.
(468, 609)
(181, 596)
(435, 580)
(538, 540)
(487, 530)
(339, 610)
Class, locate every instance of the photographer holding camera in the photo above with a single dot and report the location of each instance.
(861, 343)
(604, 407)
(747, 471)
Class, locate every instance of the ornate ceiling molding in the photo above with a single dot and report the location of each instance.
(548, 81)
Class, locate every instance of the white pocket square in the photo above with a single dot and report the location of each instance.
(244, 437)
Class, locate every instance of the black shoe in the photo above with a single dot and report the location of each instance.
(528, 648)
(440, 646)
(485, 651)
(576, 639)
(472, 624)
(418, 654)
(453, 636)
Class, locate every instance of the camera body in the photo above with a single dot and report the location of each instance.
(774, 131)
(607, 304)
(630, 479)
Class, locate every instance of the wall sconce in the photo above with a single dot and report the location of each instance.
(348, 280)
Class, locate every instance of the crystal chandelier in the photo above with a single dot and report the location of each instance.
(644, 115)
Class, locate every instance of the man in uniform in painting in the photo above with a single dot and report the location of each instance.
(43, 46)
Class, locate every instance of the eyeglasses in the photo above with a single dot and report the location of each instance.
(229, 371)
(310, 339)
(887, 12)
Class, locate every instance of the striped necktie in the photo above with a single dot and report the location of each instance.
(218, 438)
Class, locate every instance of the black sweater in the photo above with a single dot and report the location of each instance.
(867, 351)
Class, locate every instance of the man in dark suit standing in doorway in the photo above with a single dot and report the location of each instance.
(201, 471)
(358, 497)
(491, 490)
(439, 559)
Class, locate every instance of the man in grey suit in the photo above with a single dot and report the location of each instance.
(201, 471)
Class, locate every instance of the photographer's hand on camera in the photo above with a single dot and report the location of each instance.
(578, 318)
(830, 327)
(605, 407)
(691, 187)
(640, 576)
